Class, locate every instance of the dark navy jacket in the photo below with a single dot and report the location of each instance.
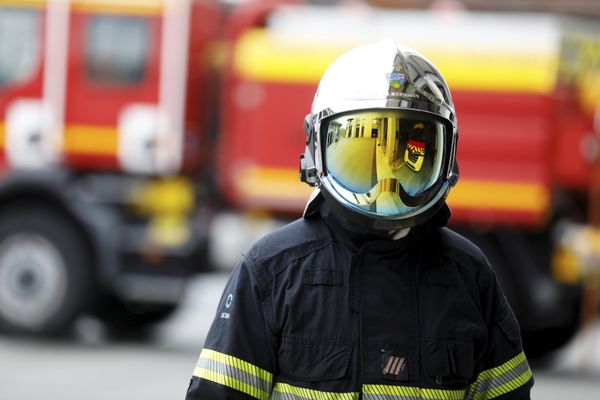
(312, 312)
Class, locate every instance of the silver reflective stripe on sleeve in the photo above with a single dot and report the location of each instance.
(234, 373)
(283, 391)
(497, 381)
(390, 392)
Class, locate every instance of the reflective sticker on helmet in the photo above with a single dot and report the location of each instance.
(396, 79)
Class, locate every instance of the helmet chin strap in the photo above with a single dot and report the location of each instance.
(312, 205)
(399, 234)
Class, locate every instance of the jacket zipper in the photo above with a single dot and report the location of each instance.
(415, 272)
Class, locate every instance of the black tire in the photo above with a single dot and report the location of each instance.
(46, 278)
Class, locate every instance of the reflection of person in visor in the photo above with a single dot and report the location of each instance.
(415, 148)
(368, 296)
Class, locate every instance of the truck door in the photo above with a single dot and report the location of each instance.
(113, 79)
(23, 139)
(126, 87)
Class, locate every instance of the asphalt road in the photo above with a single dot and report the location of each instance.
(93, 367)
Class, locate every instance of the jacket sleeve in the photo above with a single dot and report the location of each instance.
(236, 362)
(504, 372)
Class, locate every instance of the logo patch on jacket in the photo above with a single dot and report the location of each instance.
(228, 303)
(394, 366)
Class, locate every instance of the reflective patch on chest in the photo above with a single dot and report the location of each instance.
(394, 366)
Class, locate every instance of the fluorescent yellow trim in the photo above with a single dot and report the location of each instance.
(231, 382)
(262, 56)
(481, 390)
(304, 393)
(507, 387)
(91, 140)
(502, 369)
(228, 377)
(413, 392)
(237, 363)
(511, 196)
(272, 183)
(119, 6)
(2, 135)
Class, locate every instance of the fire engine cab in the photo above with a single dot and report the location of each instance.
(99, 131)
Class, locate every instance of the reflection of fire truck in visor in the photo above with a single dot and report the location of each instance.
(97, 133)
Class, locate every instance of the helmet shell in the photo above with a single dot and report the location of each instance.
(381, 75)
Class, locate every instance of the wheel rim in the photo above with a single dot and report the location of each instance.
(33, 280)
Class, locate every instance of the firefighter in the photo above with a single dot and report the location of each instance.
(368, 296)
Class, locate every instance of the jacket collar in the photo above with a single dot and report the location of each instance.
(318, 207)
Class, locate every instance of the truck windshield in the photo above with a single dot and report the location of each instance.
(117, 49)
(19, 44)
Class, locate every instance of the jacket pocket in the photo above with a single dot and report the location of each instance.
(314, 360)
(448, 361)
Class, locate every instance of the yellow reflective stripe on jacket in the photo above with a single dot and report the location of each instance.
(235, 373)
(497, 381)
(389, 392)
(283, 391)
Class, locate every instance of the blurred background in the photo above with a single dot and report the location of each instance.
(145, 144)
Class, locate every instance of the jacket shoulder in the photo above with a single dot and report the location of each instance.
(276, 250)
(468, 259)
(461, 250)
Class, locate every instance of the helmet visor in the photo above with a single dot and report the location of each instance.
(387, 161)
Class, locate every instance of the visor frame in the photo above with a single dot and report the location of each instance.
(417, 202)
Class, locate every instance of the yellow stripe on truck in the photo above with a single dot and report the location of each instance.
(23, 3)
(91, 140)
(272, 183)
(500, 195)
(263, 56)
(259, 55)
(97, 6)
(85, 139)
(283, 184)
(119, 6)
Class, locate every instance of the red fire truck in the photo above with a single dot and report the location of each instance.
(102, 112)
(121, 175)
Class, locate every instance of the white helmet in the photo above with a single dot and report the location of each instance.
(381, 138)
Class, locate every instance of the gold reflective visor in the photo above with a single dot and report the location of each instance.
(383, 161)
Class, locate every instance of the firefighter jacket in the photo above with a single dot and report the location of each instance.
(314, 313)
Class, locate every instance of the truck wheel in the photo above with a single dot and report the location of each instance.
(45, 272)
